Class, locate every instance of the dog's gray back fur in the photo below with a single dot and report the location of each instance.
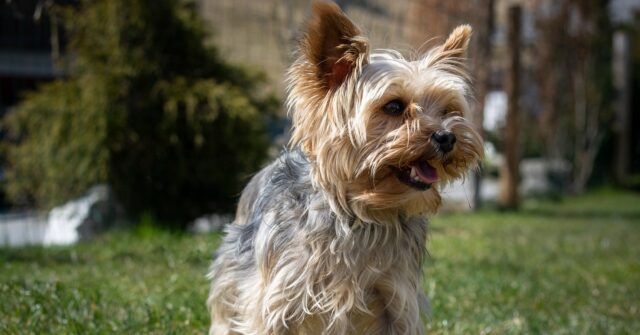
(289, 264)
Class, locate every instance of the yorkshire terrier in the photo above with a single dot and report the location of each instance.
(331, 237)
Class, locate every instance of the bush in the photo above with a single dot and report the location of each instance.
(148, 108)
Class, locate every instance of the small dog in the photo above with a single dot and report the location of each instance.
(330, 238)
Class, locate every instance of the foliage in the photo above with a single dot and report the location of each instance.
(557, 268)
(61, 145)
(148, 108)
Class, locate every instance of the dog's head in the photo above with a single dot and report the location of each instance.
(382, 133)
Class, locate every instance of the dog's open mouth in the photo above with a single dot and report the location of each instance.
(419, 175)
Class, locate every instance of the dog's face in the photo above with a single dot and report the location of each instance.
(382, 133)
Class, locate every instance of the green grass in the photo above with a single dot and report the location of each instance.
(123, 282)
(570, 267)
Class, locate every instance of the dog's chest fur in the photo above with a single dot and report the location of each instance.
(292, 265)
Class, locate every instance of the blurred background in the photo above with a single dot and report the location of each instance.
(131, 122)
(168, 107)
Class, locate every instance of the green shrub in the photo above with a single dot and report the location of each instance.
(148, 108)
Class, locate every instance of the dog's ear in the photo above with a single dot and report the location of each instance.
(451, 55)
(333, 45)
(458, 42)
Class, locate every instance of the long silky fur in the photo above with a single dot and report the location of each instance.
(326, 239)
(295, 259)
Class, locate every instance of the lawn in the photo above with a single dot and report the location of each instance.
(563, 267)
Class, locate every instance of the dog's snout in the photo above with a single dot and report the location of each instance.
(445, 140)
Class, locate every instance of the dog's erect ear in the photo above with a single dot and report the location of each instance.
(333, 44)
(451, 55)
(458, 42)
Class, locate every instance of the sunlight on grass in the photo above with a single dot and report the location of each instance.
(569, 267)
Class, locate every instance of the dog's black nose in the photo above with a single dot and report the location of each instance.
(445, 140)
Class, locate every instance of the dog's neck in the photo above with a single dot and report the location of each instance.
(351, 258)
(338, 199)
(350, 224)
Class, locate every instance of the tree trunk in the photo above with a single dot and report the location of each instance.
(622, 123)
(510, 175)
(482, 71)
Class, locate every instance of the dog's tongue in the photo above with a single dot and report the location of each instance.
(426, 172)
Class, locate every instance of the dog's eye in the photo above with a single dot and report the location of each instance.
(394, 108)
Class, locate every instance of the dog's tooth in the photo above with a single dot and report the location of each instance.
(413, 172)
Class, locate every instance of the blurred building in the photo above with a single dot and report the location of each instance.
(30, 45)
(263, 34)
